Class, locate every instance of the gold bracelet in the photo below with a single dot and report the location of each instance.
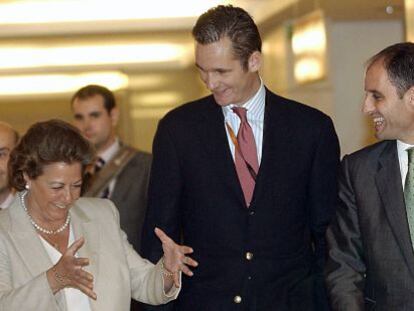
(58, 277)
(164, 270)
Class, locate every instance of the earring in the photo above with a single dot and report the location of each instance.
(27, 187)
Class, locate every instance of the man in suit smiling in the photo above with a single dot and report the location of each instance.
(371, 258)
(245, 177)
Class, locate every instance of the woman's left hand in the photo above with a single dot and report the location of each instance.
(175, 257)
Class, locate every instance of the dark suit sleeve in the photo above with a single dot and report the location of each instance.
(323, 190)
(163, 197)
(345, 268)
(323, 196)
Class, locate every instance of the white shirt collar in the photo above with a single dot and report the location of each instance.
(254, 104)
(402, 147)
(111, 151)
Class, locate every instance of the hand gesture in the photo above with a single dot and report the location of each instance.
(175, 258)
(68, 272)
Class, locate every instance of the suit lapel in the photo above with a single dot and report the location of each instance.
(26, 241)
(83, 226)
(214, 138)
(276, 138)
(390, 190)
(29, 247)
(122, 188)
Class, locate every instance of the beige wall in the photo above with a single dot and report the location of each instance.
(352, 44)
(409, 20)
(340, 94)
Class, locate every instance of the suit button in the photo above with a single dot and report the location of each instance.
(249, 256)
(251, 213)
(237, 299)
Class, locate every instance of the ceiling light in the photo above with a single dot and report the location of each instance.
(68, 56)
(52, 11)
(309, 47)
(59, 83)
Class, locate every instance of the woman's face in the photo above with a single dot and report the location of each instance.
(52, 194)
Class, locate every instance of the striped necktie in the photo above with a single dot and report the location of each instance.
(99, 164)
(247, 164)
(409, 193)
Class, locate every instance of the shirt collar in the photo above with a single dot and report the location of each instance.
(402, 146)
(254, 105)
(111, 151)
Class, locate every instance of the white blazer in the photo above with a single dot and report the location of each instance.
(118, 270)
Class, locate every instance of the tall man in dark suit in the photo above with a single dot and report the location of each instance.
(371, 258)
(252, 197)
(121, 173)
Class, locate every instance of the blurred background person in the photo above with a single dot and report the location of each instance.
(8, 139)
(62, 252)
(121, 172)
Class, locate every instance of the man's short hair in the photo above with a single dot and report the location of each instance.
(398, 61)
(234, 23)
(93, 90)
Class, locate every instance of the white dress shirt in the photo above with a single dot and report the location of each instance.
(75, 299)
(255, 107)
(403, 159)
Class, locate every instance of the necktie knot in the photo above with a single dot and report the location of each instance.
(241, 113)
(410, 155)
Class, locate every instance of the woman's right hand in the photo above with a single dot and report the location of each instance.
(68, 272)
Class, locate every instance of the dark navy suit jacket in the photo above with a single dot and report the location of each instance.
(194, 195)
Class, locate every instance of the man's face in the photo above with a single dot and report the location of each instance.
(393, 116)
(94, 121)
(224, 75)
(7, 143)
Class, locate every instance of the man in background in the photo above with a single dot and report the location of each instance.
(8, 140)
(246, 178)
(371, 258)
(121, 173)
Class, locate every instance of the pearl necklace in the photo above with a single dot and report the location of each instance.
(34, 224)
